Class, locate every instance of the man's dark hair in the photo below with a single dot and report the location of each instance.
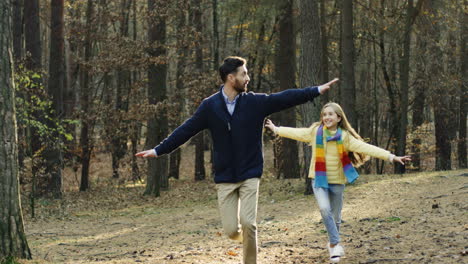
(230, 65)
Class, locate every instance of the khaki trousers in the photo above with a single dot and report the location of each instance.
(238, 209)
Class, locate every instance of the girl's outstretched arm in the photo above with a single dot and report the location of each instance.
(355, 145)
(303, 134)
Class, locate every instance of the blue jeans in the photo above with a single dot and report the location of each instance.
(330, 202)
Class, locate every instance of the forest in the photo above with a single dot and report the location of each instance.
(86, 84)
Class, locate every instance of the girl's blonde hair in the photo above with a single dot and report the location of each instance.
(357, 159)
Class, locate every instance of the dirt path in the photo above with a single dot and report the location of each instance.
(415, 218)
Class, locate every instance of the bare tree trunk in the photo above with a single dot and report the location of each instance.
(462, 161)
(17, 30)
(404, 78)
(365, 108)
(376, 105)
(135, 126)
(53, 153)
(411, 13)
(287, 150)
(182, 46)
(17, 56)
(215, 35)
(33, 62)
(119, 137)
(198, 140)
(157, 125)
(85, 141)
(32, 35)
(440, 103)
(419, 102)
(324, 98)
(385, 64)
(310, 70)
(348, 90)
(12, 236)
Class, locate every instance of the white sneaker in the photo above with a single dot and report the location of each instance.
(339, 250)
(334, 253)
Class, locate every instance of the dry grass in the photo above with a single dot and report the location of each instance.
(414, 218)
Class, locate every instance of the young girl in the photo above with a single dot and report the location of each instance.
(336, 150)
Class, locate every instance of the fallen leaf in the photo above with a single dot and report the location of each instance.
(232, 253)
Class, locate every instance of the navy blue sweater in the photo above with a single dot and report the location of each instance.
(237, 139)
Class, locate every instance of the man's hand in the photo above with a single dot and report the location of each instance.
(325, 87)
(150, 153)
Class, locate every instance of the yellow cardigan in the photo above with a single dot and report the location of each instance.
(334, 167)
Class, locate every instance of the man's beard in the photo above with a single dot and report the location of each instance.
(240, 87)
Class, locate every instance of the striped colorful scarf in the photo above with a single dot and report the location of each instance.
(320, 167)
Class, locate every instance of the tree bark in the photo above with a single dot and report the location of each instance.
(119, 137)
(348, 90)
(324, 98)
(13, 242)
(53, 153)
(461, 146)
(385, 64)
(404, 78)
(419, 99)
(157, 124)
(310, 66)
(32, 31)
(215, 35)
(33, 63)
(17, 30)
(440, 103)
(85, 141)
(198, 140)
(286, 149)
(182, 47)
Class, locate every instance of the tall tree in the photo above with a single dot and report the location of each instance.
(157, 124)
(119, 137)
(419, 96)
(196, 21)
(53, 153)
(182, 54)
(348, 89)
(387, 65)
(324, 98)
(215, 34)
(411, 13)
(17, 30)
(32, 35)
(310, 69)
(463, 91)
(441, 104)
(404, 78)
(85, 140)
(12, 236)
(285, 68)
(33, 63)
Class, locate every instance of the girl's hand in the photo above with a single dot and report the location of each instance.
(270, 125)
(402, 159)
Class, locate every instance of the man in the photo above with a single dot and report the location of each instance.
(235, 119)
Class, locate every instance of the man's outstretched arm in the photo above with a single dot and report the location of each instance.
(292, 97)
(179, 136)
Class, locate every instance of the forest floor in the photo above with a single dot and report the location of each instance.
(411, 218)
